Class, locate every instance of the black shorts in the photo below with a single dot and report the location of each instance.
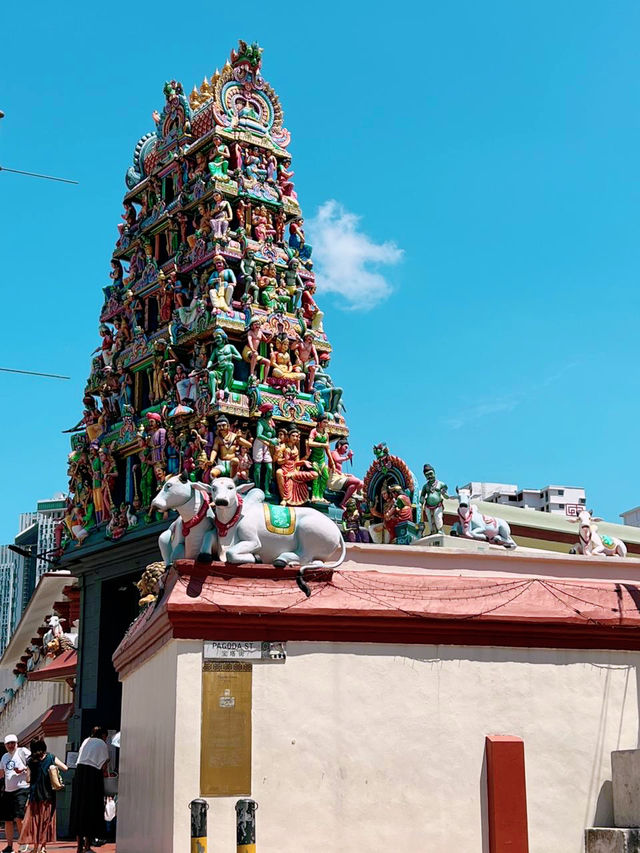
(14, 803)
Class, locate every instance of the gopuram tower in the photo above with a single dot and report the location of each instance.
(213, 357)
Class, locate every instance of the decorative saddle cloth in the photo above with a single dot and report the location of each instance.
(279, 519)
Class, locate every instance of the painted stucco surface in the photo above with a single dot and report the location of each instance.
(379, 747)
(160, 750)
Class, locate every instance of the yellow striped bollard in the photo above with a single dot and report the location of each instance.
(246, 826)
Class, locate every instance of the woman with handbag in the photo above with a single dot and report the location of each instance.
(39, 826)
(87, 796)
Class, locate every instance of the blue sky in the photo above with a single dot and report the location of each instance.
(479, 160)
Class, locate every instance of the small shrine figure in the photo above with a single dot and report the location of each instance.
(201, 222)
(310, 311)
(244, 463)
(96, 483)
(220, 364)
(223, 458)
(297, 240)
(145, 467)
(219, 160)
(221, 283)
(172, 452)
(251, 353)
(323, 386)
(352, 529)
(338, 480)
(157, 437)
(320, 458)
(397, 509)
(279, 222)
(293, 474)
(165, 299)
(281, 366)
(432, 497)
(249, 274)
(263, 448)
(285, 183)
(294, 283)
(308, 358)
(220, 217)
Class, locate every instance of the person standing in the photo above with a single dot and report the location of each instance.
(87, 796)
(39, 826)
(13, 768)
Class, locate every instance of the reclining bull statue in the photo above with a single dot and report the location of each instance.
(237, 529)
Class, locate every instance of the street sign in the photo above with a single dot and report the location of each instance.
(253, 651)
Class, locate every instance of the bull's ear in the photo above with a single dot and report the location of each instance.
(202, 487)
(244, 488)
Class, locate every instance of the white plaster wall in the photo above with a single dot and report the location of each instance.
(160, 750)
(379, 748)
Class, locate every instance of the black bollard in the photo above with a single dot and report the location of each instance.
(198, 825)
(246, 826)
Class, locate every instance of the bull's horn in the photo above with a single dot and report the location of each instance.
(184, 478)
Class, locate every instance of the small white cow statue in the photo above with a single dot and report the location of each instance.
(472, 524)
(193, 535)
(593, 544)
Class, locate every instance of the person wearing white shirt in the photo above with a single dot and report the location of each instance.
(13, 768)
(87, 796)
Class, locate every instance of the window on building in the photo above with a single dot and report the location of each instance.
(560, 506)
(560, 492)
(582, 501)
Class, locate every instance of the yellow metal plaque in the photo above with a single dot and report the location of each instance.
(225, 749)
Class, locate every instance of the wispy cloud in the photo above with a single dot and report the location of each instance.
(347, 260)
(494, 406)
(480, 410)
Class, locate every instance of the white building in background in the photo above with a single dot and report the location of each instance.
(631, 517)
(48, 513)
(562, 500)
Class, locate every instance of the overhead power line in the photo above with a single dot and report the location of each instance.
(33, 373)
(36, 175)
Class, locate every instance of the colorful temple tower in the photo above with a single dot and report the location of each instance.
(213, 356)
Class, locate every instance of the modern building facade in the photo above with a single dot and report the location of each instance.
(562, 500)
(8, 583)
(631, 517)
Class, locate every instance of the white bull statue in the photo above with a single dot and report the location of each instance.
(250, 530)
(192, 536)
(593, 544)
(471, 524)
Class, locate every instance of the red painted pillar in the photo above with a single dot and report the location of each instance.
(506, 794)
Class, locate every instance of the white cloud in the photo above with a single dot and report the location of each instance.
(481, 410)
(346, 259)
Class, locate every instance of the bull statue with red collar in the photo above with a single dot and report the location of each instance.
(193, 535)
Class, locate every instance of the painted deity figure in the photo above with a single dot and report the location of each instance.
(352, 529)
(320, 458)
(158, 437)
(294, 283)
(285, 183)
(297, 240)
(312, 314)
(264, 446)
(293, 474)
(249, 274)
(251, 352)
(308, 357)
(338, 480)
(397, 509)
(220, 364)
(223, 458)
(324, 389)
(432, 497)
(219, 160)
(281, 365)
(221, 284)
(220, 217)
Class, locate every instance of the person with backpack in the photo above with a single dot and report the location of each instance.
(39, 827)
(13, 769)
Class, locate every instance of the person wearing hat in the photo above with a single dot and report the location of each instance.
(13, 768)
